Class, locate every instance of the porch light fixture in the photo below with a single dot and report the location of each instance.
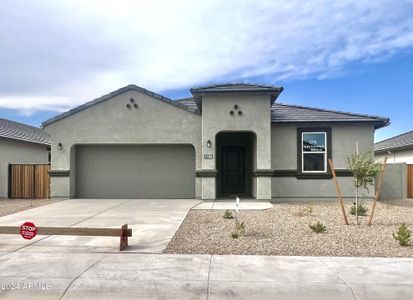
(59, 146)
(209, 144)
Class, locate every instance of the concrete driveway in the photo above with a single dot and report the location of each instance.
(154, 222)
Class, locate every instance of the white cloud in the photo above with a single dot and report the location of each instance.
(27, 105)
(57, 54)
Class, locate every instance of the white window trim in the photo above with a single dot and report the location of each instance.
(322, 152)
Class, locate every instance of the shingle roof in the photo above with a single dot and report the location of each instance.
(113, 94)
(285, 113)
(401, 141)
(22, 132)
(189, 102)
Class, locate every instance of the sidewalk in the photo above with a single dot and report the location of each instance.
(34, 275)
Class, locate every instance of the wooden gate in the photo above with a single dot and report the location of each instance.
(29, 181)
(409, 181)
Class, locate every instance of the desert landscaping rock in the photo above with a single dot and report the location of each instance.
(284, 230)
(11, 206)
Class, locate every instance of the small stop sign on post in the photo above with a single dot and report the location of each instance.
(28, 230)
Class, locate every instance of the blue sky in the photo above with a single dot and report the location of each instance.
(347, 55)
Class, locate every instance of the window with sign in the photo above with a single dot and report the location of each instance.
(314, 152)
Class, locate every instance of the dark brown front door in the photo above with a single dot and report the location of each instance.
(233, 171)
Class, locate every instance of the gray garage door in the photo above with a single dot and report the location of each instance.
(144, 171)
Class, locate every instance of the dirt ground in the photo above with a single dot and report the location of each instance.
(11, 206)
(284, 230)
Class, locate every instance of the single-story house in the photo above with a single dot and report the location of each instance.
(226, 140)
(20, 144)
(399, 153)
(398, 149)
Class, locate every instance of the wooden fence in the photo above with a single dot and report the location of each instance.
(29, 181)
(409, 181)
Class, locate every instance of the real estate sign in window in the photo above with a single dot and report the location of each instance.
(314, 152)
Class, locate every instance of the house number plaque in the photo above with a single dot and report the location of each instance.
(208, 156)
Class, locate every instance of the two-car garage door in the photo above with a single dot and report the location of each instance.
(135, 171)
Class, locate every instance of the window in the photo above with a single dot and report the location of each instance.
(314, 152)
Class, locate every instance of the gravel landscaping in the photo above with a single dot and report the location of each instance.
(11, 206)
(284, 230)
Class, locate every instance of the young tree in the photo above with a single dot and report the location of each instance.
(364, 170)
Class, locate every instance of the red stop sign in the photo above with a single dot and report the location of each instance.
(28, 230)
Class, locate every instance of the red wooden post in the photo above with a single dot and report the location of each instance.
(123, 237)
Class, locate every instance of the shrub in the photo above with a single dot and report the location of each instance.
(239, 230)
(318, 227)
(403, 235)
(240, 227)
(228, 215)
(361, 211)
(234, 235)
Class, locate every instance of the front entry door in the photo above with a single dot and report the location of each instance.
(233, 171)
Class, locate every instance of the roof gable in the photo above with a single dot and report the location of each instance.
(22, 132)
(131, 87)
(401, 141)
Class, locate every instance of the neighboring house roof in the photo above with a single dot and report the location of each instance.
(130, 87)
(242, 87)
(285, 113)
(22, 132)
(402, 141)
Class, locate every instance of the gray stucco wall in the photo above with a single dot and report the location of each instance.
(255, 118)
(394, 182)
(284, 157)
(16, 152)
(153, 122)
